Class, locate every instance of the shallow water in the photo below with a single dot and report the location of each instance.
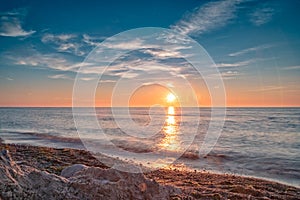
(261, 142)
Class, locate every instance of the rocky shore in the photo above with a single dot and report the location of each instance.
(29, 172)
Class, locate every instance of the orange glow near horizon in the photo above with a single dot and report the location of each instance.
(150, 95)
(59, 94)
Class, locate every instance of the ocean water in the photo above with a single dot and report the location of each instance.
(260, 142)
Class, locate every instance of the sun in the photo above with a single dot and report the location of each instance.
(171, 98)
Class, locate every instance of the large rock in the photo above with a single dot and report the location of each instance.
(29, 183)
(76, 182)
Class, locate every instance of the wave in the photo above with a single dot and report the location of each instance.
(134, 146)
(46, 136)
(150, 147)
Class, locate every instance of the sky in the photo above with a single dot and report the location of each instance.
(254, 46)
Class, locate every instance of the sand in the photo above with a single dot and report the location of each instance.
(194, 184)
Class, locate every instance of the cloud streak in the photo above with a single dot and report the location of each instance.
(59, 76)
(236, 64)
(50, 61)
(250, 50)
(210, 16)
(11, 24)
(243, 63)
(296, 67)
(57, 38)
(268, 88)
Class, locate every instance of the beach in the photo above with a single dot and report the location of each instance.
(186, 184)
(149, 100)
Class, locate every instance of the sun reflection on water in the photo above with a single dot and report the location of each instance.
(170, 130)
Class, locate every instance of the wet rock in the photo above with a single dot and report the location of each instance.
(70, 171)
(113, 184)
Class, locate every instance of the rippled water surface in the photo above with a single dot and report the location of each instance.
(262, 142)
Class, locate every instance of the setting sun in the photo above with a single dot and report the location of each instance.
(171, 98)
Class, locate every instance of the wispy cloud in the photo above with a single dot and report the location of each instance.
(47, 61)
(157, 67)
(262, 16)
(71, 48)
(267, 88)
(225, 75)
(243, 63)
(236, 64)
(11, 24)
(59, 76)
(57, 38)
(296, 67)
(92, 40)
(135, 44)
(230, 75)
(164, 54)
(65, 43)
(163, 50)
(56, 62)
(217, 14)
(252, 49)
(210, 16)
(78, 45)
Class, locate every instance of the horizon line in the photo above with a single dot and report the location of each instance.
(150, 106)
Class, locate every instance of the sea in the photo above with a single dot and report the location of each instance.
(255, 142)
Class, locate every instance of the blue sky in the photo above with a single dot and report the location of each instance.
(255, 44)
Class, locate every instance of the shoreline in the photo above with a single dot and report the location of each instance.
(195, 184)
(109, 159)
